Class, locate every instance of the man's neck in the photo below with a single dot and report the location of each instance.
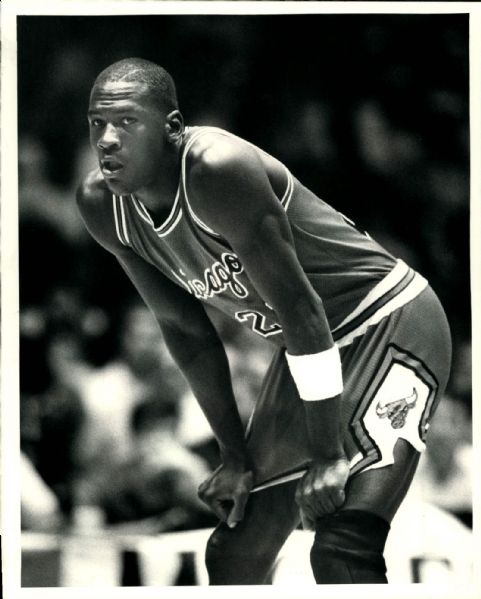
(159, 197)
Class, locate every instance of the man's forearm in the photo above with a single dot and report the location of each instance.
(323, 427)
(209, 377)
(206, 369)
(315, 365)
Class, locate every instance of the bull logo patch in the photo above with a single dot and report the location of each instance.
(397, 410)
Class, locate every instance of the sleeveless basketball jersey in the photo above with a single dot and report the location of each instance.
(358, 281)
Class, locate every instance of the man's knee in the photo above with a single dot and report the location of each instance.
(235, 559)
(217, 546)
(225, 549)
(348, 548)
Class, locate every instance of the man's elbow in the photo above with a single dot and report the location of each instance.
(305, 324)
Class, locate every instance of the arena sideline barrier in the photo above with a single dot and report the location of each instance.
(426, 545)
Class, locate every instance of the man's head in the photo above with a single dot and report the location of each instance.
(135, 124)
(160, 87)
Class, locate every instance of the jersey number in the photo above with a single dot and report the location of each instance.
(258, 323)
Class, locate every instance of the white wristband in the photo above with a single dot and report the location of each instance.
(317, 376)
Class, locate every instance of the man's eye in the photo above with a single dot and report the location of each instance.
(96, 122)
(127, 120)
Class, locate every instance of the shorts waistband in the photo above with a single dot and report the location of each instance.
(397, 288)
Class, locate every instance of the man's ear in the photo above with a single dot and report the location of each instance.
(174, 126)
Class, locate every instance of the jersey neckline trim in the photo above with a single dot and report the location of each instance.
(170, 222)
(120, 221)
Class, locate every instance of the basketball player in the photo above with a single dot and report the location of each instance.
(196, 215)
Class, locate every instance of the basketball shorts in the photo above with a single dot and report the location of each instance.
(394, 375)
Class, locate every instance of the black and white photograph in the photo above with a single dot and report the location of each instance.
(238, 257)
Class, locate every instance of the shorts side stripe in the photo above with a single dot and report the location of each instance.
(425, 374)
(369, 449)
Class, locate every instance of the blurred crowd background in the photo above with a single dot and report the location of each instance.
(370, 112)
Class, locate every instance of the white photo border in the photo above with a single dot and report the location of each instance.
(10, 502)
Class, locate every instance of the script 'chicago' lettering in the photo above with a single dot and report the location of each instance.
(220, 276)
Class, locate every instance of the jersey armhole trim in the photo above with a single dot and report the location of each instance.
(285, 200)
(200, 223)
(287, 197)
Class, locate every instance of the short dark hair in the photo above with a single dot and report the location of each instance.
(159, 81)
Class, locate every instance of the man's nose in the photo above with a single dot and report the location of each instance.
(109, 139)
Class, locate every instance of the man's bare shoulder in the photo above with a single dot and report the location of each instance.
(215, 151)
(228, 186)
(94, 201)
(92, 193)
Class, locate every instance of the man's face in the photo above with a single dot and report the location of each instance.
(128, 134)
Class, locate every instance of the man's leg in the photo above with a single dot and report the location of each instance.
(407, 355)
(246, 554)
(349, 545)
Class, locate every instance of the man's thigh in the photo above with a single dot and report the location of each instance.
(394, 377)
(380, 491)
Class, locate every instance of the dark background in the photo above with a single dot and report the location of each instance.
(370, 111)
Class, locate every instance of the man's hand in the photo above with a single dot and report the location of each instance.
(321, 490)
(226, 492)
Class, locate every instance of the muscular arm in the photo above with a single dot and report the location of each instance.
(189, 334)
(195, 346)
(197, 349)
(232, 193)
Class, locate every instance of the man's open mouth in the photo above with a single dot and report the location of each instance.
(110, 166)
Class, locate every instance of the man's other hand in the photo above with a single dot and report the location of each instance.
(226, 492)
(321, 490)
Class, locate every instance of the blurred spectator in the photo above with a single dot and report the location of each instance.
(445, 473)
(249, 359)
(160, 478)
(142, 368)
(461, 381)
(383, 145)
(51, 416)
(40, 200)
(40, 509)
